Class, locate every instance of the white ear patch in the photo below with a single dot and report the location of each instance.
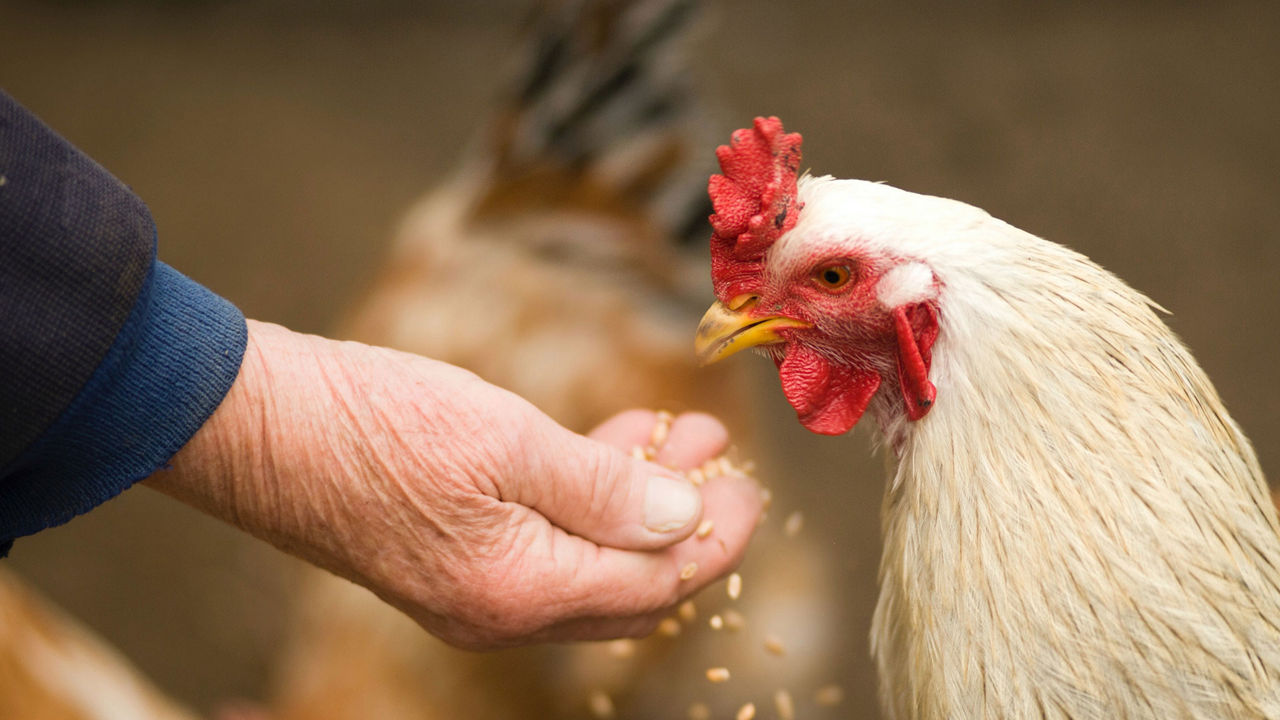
(904, 284)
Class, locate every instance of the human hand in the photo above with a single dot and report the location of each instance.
(458, 502)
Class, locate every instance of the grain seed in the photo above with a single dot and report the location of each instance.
(747, 712)
(601, 705)
(669, 627)
(688, 571)
(660, 432)
(774, 645)
(829, 695)
(734, 587)
(716, 622)
(718, 674)
(793, 524)
(704, 528)
(711, 468)
(785, 705)
(734, 620)
(622, 648)
(687, 611)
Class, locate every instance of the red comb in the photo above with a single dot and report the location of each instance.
(754, 200)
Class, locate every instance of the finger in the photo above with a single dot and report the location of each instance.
(627, 429)
(732, 504)
(693, 439)
(603, 494)
(617, 589)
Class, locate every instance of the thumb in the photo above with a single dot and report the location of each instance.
(597, 491)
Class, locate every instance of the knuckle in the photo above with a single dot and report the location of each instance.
(596, 487)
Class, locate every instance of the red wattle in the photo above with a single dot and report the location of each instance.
(916, 327)
(829, 399)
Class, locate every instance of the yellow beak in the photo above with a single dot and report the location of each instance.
(726, 329)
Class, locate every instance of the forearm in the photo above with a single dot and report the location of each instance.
(313, 446)
(282, 456)
(223, 469)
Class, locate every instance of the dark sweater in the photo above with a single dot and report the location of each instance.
(109, 359)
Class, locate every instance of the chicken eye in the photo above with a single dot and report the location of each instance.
(834, 277)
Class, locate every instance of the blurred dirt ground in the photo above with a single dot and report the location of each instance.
(277, 143)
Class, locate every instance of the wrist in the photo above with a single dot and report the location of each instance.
(231, 467)
(309, 448)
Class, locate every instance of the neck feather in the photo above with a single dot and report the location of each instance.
(1078, 523)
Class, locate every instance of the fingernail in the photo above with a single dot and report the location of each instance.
(669, 504)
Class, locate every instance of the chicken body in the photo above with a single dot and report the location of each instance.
(1075, 527)
(1078, 529)
(52, 667)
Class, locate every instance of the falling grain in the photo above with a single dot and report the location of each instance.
(622, 648)
(669, 627)
(687, 611)
(766, 498)
(601, 705)
(699, 711)
(734, 620)
(793, 524)
(747, 712)
(688, 571)
(785, 705)
(716, 622)
(774, 646)
(734, 586)
(718, 674)
(829, 696)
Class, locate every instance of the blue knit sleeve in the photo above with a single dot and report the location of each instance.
(109, 359)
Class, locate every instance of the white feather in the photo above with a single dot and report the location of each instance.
(907, 283)
(1077, 529)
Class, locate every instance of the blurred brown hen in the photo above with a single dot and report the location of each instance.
(552, 262)
(564, 261)
(53, 668)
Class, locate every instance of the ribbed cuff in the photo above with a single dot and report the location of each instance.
(173, 361)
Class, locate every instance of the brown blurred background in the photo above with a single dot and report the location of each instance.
(277, 144)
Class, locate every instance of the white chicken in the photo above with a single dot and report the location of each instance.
(1073, 524)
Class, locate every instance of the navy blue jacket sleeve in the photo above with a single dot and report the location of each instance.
(109, 359)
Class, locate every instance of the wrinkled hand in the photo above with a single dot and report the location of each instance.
(456, 501)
